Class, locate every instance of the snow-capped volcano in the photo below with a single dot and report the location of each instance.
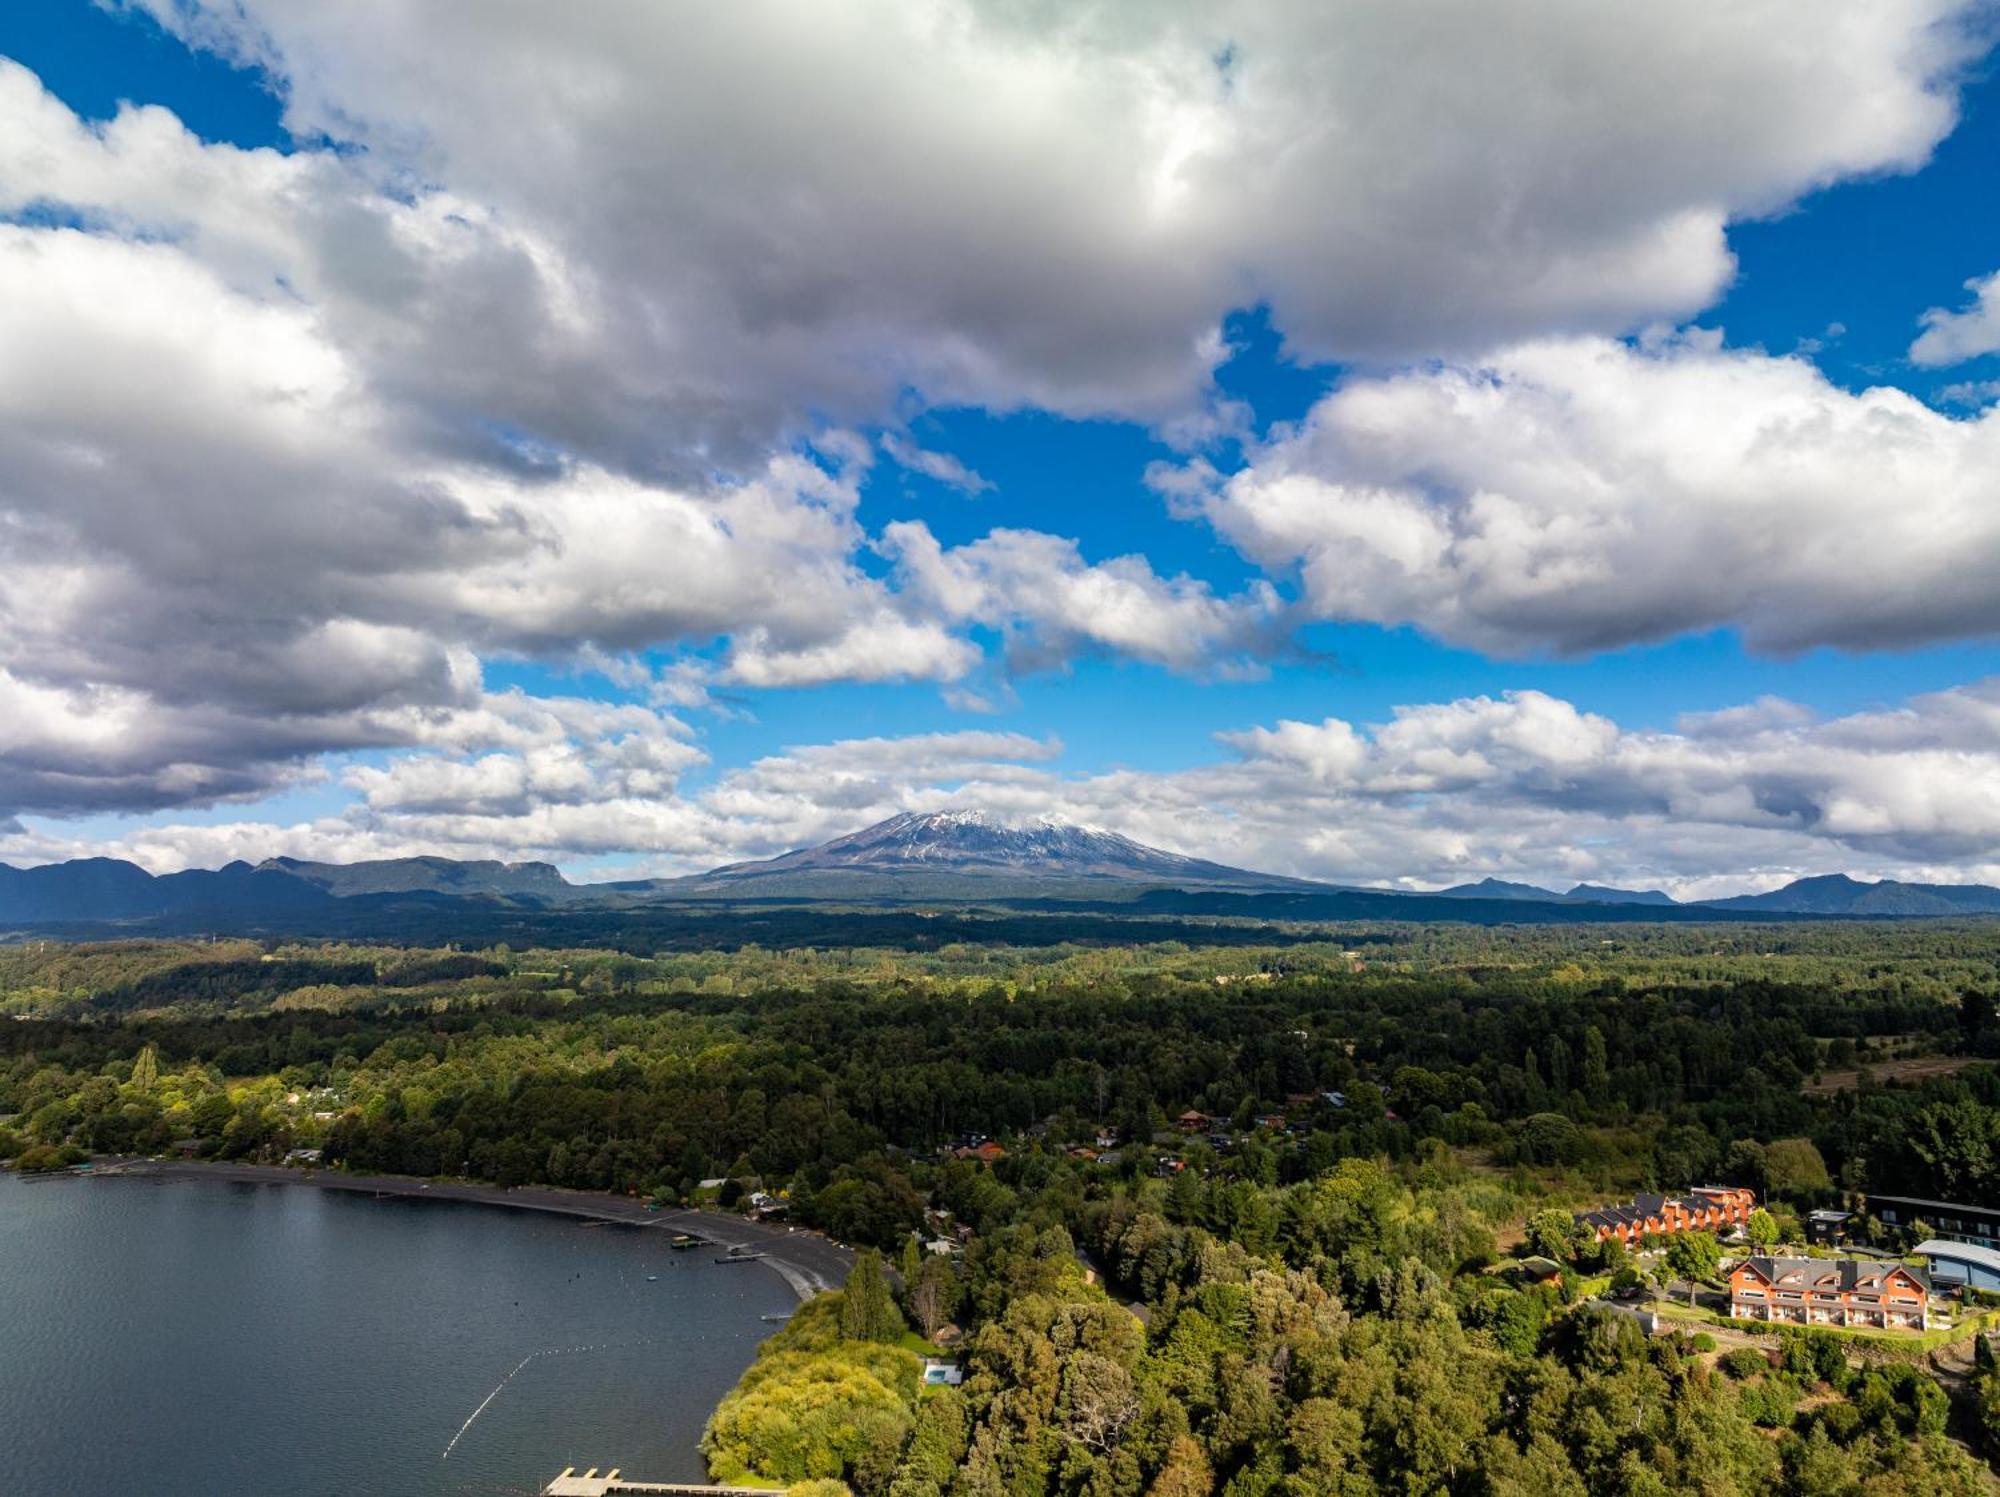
(981, 844)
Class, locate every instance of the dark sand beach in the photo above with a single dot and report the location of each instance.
(807, 1261)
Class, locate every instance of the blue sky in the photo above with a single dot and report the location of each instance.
(707, 336)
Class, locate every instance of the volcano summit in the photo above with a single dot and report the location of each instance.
(942, 852)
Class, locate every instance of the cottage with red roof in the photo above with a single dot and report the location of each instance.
(1706, 1208)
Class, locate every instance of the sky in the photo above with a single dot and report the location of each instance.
(1394, 445)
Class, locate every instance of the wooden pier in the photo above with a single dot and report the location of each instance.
(613, 1482)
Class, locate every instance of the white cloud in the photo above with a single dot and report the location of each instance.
(1039, 589)
(239, 529)
(755, 211)
(1953, 337)
(1578, 495)
(941, 466)
(1973, 393)
(882, 646)
(290, 444)
(1522, 785)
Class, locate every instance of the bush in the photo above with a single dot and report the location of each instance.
(1816, 1356)
(1769, 1402)
(1703, 1341)
(1744, 1363)
(49, 1157)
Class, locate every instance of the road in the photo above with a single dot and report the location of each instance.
(807, 1261)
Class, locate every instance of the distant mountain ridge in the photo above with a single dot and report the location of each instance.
(1837, 894)
(429, 874)
(1495, 888)
(943, 856)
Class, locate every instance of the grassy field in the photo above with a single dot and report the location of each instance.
(1911, 1068)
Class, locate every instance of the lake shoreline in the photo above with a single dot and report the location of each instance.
(807, 1261)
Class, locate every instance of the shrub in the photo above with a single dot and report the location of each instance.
(1744, 1363)
(1769, 1402)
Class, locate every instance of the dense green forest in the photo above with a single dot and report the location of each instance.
(1319, 1263)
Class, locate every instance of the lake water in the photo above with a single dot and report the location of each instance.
(202, 1338)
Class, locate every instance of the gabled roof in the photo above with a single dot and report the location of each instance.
(1645, 1208)
(1843, 1274)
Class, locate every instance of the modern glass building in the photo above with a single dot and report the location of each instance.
(1961, 1264)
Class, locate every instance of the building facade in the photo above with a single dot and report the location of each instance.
(1706, 1208)
(1954, 1221)
(1961, 1265)
(1831, 1292)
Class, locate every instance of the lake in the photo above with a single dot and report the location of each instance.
(173, 1336)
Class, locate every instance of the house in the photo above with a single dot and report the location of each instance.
(1831, 1291)
(1950, 1220)
(1826, 1225)
(986, 1153)
(1706, 1208)
(1107, 1138)
(1193, 1122)
(1272, 1120)
(1961, 1264)
(1167, 1165)
(1649, 1321)
(1538, 1270)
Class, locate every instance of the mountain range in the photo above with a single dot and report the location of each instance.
(945, 857)
(1494, 888)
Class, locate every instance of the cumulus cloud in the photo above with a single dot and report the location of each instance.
(1005, 205)
(240, 531)
(1953, 337)
(223, 556)
(1522, 785)
(1038, 588)
(561, 352)
(1582, 494)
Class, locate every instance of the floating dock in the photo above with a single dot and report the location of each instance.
(613, 1482)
